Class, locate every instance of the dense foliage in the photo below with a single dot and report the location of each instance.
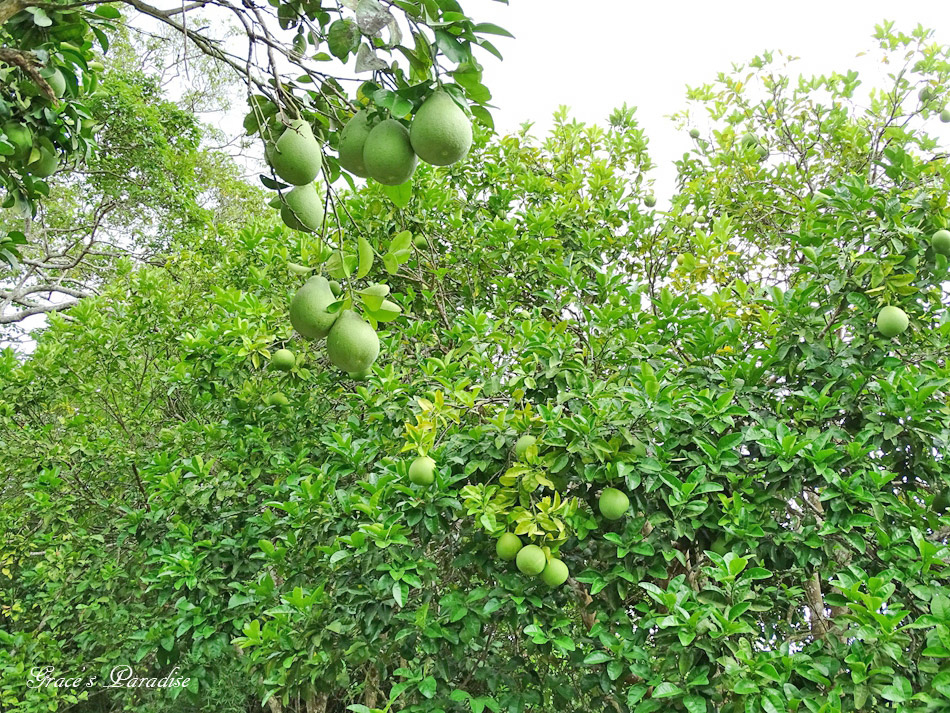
(786, 548)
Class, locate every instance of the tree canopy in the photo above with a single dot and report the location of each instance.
(718, 361)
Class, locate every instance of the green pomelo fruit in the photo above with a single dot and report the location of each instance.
(57, 82)
(613, 503)
(941, 242)
(649, 201)
(508, 546)
(303, 208)
(277, 399)
(441, 133)
(554, 573)
(891, 321)
(352, 344)
(388, 155)
(694, 133)
(762, 152)
(531, 560)
(336, 288)
(296, 155)
(283, 359)
(749, 140)
(352, 141)
(422, 471)
(308, 309)
(21, 137)
(522, 445)
(420, 242)
(924, 94)
(945, 116)
(45, 165)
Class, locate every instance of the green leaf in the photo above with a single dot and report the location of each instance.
(487, 28)
(596, 657)
(695, 704)
(667, 690)
(400, 194)
(343, 37)
(365, 257)
(108, 12)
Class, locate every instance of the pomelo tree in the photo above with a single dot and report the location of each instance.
(784, 545)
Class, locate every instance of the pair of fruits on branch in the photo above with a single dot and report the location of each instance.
(892, 320)
(385, 150)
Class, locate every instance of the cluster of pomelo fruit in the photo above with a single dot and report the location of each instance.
(352, 344)
(892, 320)
(536, 561)
(386, 151)
(296, 157)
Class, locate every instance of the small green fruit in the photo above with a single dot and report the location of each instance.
(891, 321)
(941, 242)
(522, 445)
(749, 140)
(613, 503)
(649, 201)
(925, 95)
(531, 560)
(694, 133)
(336, 288)
(352, 141)
(762, 152)
(554, 573)
(21, 137)
(420, 242)
(441, 133)
(422, 471)
(945, 116)
(283, 359)
(308, 309)
(388, 155)
(57, 82)
(45, 165)
(508, 546)
(277, 399)
(352, 344)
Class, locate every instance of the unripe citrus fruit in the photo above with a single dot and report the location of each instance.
(762, 152)
(522, 445)
(941, 242)
(508, 546)
(277, 399)
(924, 94)
(554, 573)
(296, 155)
(45, 165)
(649, 201)
(352, 344)
(388, 155)
(21, 137)
(308, 309)
(352, 141)
(945, 116)
(531, 560)
(891, 321)
(441, 133)
(694, 133)
(283, 359)
(613, 503)
(336, 288)
(57, 82)
(302, 208)
(749, 140)
(422, 471)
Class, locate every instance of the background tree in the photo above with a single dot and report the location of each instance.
(785, 546)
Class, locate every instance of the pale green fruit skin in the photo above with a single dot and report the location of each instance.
(522, 445)
(941, 242)
(21, 137)
(891, 321)
(296, 155)
(336, 288)
(308, 309)
(531, 560)
(508, 546)
(352, 344)
(352, 141)
(945, 116)
(441, 133)
(422, 471)
(283, 359)
(277, 399)
(303, 208)
(749, 140)
(649, 201)
(694, 133)
(613, 503)
(388, 154)
(45, 166)
(361, 375)
(57, 82)
(762, 152)
(924, 94)
(555, 573)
